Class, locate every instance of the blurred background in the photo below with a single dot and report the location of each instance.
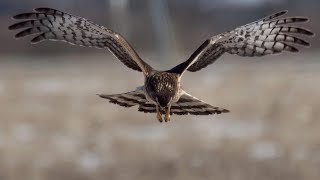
(53, 126)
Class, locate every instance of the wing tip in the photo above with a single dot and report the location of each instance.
(42, 9)
(225, 111)
(103, 96)
(292, 49)
(221, 110)
(12, 27)
(276, 15)
(18, 16)
(299, 19)
(305, 31)
(19, 35)
(282, 12)
(309, 33)
(304, 19)
(301, 42)
(36, 40)
(47, 10)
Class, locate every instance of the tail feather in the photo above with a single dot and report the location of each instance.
(188, 104)
(128, 99)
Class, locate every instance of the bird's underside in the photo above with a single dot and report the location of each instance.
(271, 35)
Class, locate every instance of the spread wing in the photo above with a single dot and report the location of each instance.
(51, 24)
(269, 35)
(187, 104)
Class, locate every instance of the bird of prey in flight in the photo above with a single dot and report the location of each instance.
(161, 92)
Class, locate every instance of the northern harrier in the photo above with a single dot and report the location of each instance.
(161, 92)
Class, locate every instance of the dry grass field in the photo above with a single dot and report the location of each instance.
(53, 126)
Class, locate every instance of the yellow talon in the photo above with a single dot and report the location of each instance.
(159, 115)
(167, 116)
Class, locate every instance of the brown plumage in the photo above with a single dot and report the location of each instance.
(161, 92)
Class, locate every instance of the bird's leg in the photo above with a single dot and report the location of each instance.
(159, 115)
(167, 116)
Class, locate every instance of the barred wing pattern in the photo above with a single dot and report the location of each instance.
(269, 35)
(186, 105)
(128, 99)
(51, 24)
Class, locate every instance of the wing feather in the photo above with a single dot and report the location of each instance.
(51, 24)
(269, 35)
